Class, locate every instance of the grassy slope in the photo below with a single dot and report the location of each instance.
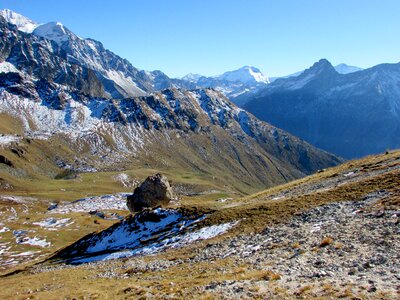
(244, 166)
(258, 210)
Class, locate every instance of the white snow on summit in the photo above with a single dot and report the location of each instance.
(191, 77)
(54, 31)
(23, 23)
(346, 69)
(245, 74)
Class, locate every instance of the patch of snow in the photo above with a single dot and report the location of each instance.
(92, 45)
(27, 253)
(17, 199)
(223, 200)
(4, 248)
(19, 232)
(35, 241)
(4, 229)
(176, 241)
(78, 121)
(126, 83)
(51, 223)
(8, 139)
(6, 67)
(105, 202)
(123, 237)
(204, 233)
(348, 174)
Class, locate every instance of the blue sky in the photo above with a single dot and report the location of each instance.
(210, 37)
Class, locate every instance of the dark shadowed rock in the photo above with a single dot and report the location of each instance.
(6, 161)
(154, 191)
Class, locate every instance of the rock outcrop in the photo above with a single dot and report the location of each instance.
(154, 191)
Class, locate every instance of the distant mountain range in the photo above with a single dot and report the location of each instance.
(340, 68)
(343, 109)
(231, 83)
(239, 85)
(74, 101)
(350, 114)
(118, 77)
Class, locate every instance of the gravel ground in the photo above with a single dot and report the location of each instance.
(337, 247)
(343, 249)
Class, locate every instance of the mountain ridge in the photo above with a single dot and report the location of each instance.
(118, 76)
(352, 114)
(66, 99)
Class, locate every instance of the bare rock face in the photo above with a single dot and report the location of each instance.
(154, 191)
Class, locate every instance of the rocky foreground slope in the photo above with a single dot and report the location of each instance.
(332, 235)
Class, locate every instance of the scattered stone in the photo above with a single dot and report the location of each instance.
(5, 185)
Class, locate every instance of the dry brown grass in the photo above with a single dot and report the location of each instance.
(296, 245)
(258, 214)
(326, 242)
(271, 276)
(338, 245)
(302, 290)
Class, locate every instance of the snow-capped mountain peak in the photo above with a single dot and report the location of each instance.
(23, 23)
(346, 69)
(246, 74)
(191, 77)
(54, 31)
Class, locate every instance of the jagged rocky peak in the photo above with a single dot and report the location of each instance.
(23, 23)
(321, 66)
(318, 73)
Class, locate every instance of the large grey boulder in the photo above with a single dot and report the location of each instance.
(154, 191)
